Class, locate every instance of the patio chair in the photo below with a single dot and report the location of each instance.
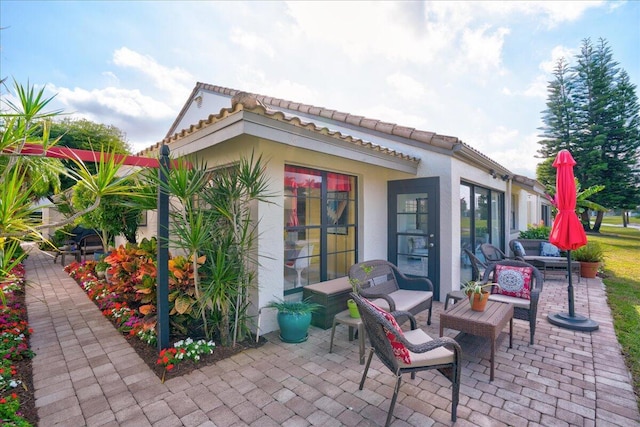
(409, 351)
(477, 266)
(523, 308)
(492, 253)
(391, 290)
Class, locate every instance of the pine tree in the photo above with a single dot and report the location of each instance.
(592, 110)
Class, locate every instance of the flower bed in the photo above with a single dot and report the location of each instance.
(128, 300)
(17, 403)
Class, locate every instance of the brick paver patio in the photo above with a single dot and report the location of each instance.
(85, 373)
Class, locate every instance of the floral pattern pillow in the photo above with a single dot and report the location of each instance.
(513, 281)
(399, 350)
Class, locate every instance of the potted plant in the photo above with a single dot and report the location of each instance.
(590, 257)
(477, 294)
(355, 288)
(294, 318)
(101, 268)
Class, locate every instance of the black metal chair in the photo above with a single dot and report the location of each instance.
(522, 308)
(382, 282)
(443, 354)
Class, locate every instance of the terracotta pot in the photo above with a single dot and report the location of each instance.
(589, 269)
(478, 301)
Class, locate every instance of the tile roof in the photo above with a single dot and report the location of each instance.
(449, 143)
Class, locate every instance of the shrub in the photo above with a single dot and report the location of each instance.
(591, 252)
(536, 232)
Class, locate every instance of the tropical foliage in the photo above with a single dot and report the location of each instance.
(25, 128)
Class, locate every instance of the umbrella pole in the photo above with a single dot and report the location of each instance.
(572, 320)
(572, 308)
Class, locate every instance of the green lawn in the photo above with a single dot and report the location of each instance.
(622, 280)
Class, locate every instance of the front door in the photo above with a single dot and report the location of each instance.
(414, 228)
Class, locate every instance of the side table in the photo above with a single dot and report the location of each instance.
(488, 323)
(353, 322)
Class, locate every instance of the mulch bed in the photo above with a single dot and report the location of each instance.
(150, 355)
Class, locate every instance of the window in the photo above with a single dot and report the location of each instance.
(514, 212)
(319, 226)
(481, 221)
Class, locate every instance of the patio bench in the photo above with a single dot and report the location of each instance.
(546, 264)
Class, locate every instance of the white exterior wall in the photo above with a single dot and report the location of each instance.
(372, 190)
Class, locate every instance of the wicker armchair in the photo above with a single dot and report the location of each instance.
(443, 354)
(390, 289)
(522, 308)
(477, 266)
(492, 253)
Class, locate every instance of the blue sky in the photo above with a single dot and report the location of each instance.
(474, 70)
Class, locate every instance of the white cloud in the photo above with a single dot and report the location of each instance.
(514, 151)
(252, 42)
(130, 103)
(556, 53)
(406, 87)
(175, 82)
(481, 49)
(537, 88)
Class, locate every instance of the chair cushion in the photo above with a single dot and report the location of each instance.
(400, 351)
(513, 281)
(549, 249)
(437, 356)
(404, 299)
(517, 302)
(518, 249)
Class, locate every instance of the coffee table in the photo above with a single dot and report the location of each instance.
(488, 323)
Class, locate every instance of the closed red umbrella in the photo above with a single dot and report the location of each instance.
(568, 234)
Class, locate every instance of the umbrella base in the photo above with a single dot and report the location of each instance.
(575, 323)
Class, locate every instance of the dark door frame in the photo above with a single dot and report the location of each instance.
(431, 186)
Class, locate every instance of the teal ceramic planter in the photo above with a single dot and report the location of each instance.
(294, 326)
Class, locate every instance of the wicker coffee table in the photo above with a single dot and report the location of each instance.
(488, 323)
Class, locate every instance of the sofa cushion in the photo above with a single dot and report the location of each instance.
(513, 281)
(549, 249)
(437, 356)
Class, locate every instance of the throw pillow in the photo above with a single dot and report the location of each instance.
(513, 281)
(548, 249)
(399, 350)
(518, 249)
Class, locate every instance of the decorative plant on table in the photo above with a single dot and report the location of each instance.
(355, 288)
(294, 318)
(477, 293)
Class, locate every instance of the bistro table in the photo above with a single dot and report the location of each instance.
(488, 323)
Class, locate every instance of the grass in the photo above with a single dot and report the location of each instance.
(622, 281)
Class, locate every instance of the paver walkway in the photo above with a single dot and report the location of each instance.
(85, 373)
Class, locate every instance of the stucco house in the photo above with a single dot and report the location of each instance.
(352, 188)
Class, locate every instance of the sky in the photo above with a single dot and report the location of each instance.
(474, 70)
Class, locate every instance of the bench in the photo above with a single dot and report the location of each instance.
(332, 295)
(89, 245)
(546, 264)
